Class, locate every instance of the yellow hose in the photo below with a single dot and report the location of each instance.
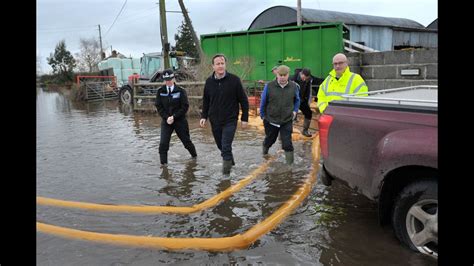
(159, 209)
(238, 241)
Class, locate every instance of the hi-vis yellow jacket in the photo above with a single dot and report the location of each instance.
(333, 89)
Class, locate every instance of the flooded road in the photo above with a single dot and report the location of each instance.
(104, 153)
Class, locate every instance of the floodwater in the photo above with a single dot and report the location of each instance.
(104, 153)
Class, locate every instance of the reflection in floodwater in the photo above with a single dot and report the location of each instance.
(126, 109)
(180, 185)
(226, 220)
(105, 153)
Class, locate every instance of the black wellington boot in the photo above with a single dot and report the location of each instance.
(265, 150)
(192, 151)
(306, 127)
(164, 159)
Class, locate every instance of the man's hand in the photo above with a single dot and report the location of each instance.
(244, 124)
(170, 120)
(202, 122)
(294, 115)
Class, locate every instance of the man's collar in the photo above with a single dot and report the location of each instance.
(283, 84)
(217, 78)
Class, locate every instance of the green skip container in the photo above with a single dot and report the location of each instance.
(252, 54)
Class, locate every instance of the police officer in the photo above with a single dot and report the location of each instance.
(172, 105)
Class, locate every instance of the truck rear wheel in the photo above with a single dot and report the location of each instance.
(415, 217)
(126, 95)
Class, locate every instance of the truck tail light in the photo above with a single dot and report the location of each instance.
(324, 123)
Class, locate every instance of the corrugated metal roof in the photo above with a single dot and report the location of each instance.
(317, 15)
(433, 25)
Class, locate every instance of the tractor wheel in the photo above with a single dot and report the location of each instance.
(126, 95)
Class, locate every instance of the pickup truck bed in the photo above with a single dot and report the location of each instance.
(415, 96)
(385, 146)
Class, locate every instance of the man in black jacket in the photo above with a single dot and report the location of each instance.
(223, 92)
(305, 80)
(172, 105)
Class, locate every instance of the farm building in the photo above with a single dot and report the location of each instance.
(379, 33)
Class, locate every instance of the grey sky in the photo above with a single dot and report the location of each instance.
(137, 30)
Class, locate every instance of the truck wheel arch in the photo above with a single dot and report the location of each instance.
(399, 158)
(393, 184)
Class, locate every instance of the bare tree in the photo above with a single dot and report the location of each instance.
(89, 55)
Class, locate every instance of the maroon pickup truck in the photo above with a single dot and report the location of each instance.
(385, 146)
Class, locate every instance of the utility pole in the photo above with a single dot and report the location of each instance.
(164, 34)
(188, 21)
(298, 13)
(100, 40)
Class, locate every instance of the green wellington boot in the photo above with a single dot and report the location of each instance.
(289, 157)
(226, 165)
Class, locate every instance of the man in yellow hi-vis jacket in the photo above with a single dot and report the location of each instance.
(340, 81)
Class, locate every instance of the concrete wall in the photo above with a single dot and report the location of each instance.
(383, 70)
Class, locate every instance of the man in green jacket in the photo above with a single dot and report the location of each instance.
(340, 81)
(278, 107)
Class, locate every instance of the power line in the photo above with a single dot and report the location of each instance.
(59, 31)
(63, 28)
(116, 18)
(136, 18)
(138, 12)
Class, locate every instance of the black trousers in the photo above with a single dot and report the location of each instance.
(271, 134)
(306, 110)
(224, 136)
(182, 130)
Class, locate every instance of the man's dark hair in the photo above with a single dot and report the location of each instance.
(306, 72)
(218, 55)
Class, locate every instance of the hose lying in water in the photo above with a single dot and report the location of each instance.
(159, 209)
(239, 241)
(166, 209)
